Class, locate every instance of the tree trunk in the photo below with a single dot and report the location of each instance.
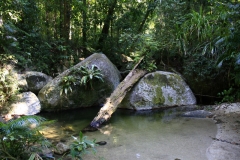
(106, 26)
(150, 9)
(66, 19)
(84, 29)
(61, 6)
(117, 96)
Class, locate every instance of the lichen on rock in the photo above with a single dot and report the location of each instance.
(159, 89)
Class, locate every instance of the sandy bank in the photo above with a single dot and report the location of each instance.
(226, 144)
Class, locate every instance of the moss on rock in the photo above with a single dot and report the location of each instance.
(159, 89)
(81, 96)
(159, 98)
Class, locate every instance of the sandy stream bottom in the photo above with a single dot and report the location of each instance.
(179, 139)
(145, 137)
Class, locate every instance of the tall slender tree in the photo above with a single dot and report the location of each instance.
(84, 30)
(106, 26)
(150, 9)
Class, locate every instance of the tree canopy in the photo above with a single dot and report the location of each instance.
(199, 39)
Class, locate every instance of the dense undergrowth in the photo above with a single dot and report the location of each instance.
(198, 39)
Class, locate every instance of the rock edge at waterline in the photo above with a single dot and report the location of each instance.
(226, 144)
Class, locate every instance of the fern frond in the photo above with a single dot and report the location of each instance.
(22, 122)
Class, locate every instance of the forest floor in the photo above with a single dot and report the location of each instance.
(226, 144)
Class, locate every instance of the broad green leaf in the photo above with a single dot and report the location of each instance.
(65, 90)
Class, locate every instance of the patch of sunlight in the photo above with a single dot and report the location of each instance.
(115, 140)
(51, 133)
(152, 25)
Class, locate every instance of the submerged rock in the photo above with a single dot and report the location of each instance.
(197, 114)
(61, 148)
(101, 143)
(159, 89)
(89, 128)
(81, 96)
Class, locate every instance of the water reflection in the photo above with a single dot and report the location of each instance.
(146, 135)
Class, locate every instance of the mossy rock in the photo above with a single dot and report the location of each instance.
(159, 89)
(81, 96)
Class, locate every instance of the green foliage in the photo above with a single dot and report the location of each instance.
(66, 83)
(175, 28)
(35, 156)
(22, 122)
(200, 68)
(131, 18)
(34, 52)
(19, 138)
(227, 95)
(140, 45)
(22, 36)
(202, 75)
(81, 145)
(87, 75)
(8, 81)
(231, 94)
(199, 31)
(200, 34)
(229, 45)
(90, 73)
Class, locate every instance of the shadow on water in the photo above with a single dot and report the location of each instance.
(147, 135)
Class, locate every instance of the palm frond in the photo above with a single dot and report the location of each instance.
(22, 122)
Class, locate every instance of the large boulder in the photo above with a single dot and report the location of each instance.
(159, 89)
(81, 96)
(33, 81)
(27, 104)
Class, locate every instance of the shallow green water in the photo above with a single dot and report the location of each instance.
(158, 135)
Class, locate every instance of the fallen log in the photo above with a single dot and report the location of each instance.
(117, 96)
